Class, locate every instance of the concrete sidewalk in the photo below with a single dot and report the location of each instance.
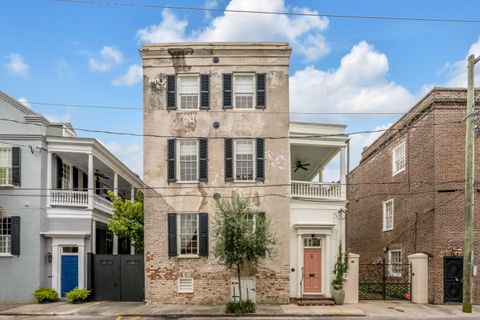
(110, 308)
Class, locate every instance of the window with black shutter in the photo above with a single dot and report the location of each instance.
(227, 91)
(261, 91)
(204, 92)
(228, 159)
(15, 225)
(16, 166)
(203, 155)
(260, 159)
(203, 234)
(171, 160)
(172, 235)
(171, 92)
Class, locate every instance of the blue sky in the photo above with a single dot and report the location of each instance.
(88, 54)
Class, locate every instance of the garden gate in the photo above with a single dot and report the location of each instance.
(384, 281)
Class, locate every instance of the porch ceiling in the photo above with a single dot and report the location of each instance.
(317, 156)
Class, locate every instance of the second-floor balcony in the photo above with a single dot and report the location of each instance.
(78, 199)
(318, 190)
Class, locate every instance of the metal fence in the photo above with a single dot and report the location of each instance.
(383, 281)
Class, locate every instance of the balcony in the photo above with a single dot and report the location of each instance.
(78, 199)
(316, 190)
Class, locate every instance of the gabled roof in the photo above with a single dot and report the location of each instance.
(30, 115)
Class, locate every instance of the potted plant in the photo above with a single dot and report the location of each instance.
(77, 295)
(340, 271)
(45, 295)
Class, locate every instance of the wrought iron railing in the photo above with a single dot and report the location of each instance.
(383, 281)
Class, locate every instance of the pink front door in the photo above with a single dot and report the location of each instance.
(312, 278)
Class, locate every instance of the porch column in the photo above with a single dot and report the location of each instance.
(81, 266)
(343, 173)
(132, 193)
(326, 284)
(55, 269)
(299, 266)
(90, 181)
(115, 193)
(49, 177)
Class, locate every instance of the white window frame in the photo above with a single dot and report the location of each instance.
(391, 268)
(6, 238)
(179, 93)
(178, 166)
(385, 204)
(254, 91)
(179, 251)
(395, 169)
(254, 153)
(180, 290)
(68, 179)
(7, 153)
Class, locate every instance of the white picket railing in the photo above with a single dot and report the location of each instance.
(68, 198)
(102, 204)
(310, 189)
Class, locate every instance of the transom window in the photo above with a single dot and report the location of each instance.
(244, 159)
(5, 236)
(388, 215)
(188, 234)
(5, 166)
(398, 158)
(188, 90)
(188, 156)
(244, 90)
(312, 242)
(395, 263)
(65, 176)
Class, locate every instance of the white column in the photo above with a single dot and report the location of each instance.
(351, 283)
(115, 193)
(132, 248)
(94, 237)
(49, 176)
(81, 266)
(326, 284)
(343, 173)
(132, 193)
(419, 262)
(90, 181)
(299, 266)
(55, 268)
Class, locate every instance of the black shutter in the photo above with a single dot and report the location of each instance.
(59, 172)
(16, 166)
(75, 178)
(15, 225)
(261, 91)
(85, 182)
(204, 92)
(227, 91)
(171, 160)
(260, 159)
(203, 234)
(228, 159)
(172, 234)
(203, 155)
(171, 92)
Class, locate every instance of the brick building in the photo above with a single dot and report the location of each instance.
(406, 195)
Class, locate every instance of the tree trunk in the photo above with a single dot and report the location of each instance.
(239, 283)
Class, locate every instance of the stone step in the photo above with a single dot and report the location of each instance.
(315, 301)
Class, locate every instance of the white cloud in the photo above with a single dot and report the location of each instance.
(63, 117)
(24, 101)
(303, 33)
(210, 4)
(63, 68)
(359, 141)
(16, 65)
(457, 71)
(131, 155)
(134, 75)
(359, 85)
(110, 56)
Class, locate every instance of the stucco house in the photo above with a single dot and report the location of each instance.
(53, 206)
(216, 121)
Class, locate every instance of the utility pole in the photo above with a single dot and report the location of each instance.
(469, 198)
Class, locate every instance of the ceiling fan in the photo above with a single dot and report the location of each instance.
(100, 175)
(301, 165)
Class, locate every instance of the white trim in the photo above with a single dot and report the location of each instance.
(254, 153)
(391, 273)
(183, 256)
(177, 89)
(384, 228)
(396, 171)
(189, 288)
(254, 93)
(177, 155)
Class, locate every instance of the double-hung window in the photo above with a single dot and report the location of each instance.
(187, 234)
(388, 215)
(5, 166)
(398, 158)
(5, 236)
(188, 160)
(244, 159)
(244, 91)
(395, 263)
(65, 176)
(188, 92)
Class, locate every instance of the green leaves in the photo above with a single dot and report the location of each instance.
(341, 268)
(127, 220)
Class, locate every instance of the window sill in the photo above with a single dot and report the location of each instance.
(191, 256)
(386, 230)
(397, 172)
(245, 181)
(187, 182)
(7, 186)
(6, 255)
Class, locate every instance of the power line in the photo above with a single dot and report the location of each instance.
(287, 13)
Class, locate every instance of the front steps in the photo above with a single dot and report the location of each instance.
(315, 300)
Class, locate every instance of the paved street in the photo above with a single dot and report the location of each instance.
(239, 318)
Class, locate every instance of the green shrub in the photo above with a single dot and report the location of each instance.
(78, 295)
(44, 294)
(240, 307)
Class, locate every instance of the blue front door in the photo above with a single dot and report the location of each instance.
(69, 273)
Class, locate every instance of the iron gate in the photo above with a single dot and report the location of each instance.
(453, 279)
(383, 281)
(117, 277)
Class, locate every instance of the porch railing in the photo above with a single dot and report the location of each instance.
(69, 198)
(102, 203)
(310, 189)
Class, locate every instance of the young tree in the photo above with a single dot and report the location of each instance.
(127, 220)
(243, 235)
